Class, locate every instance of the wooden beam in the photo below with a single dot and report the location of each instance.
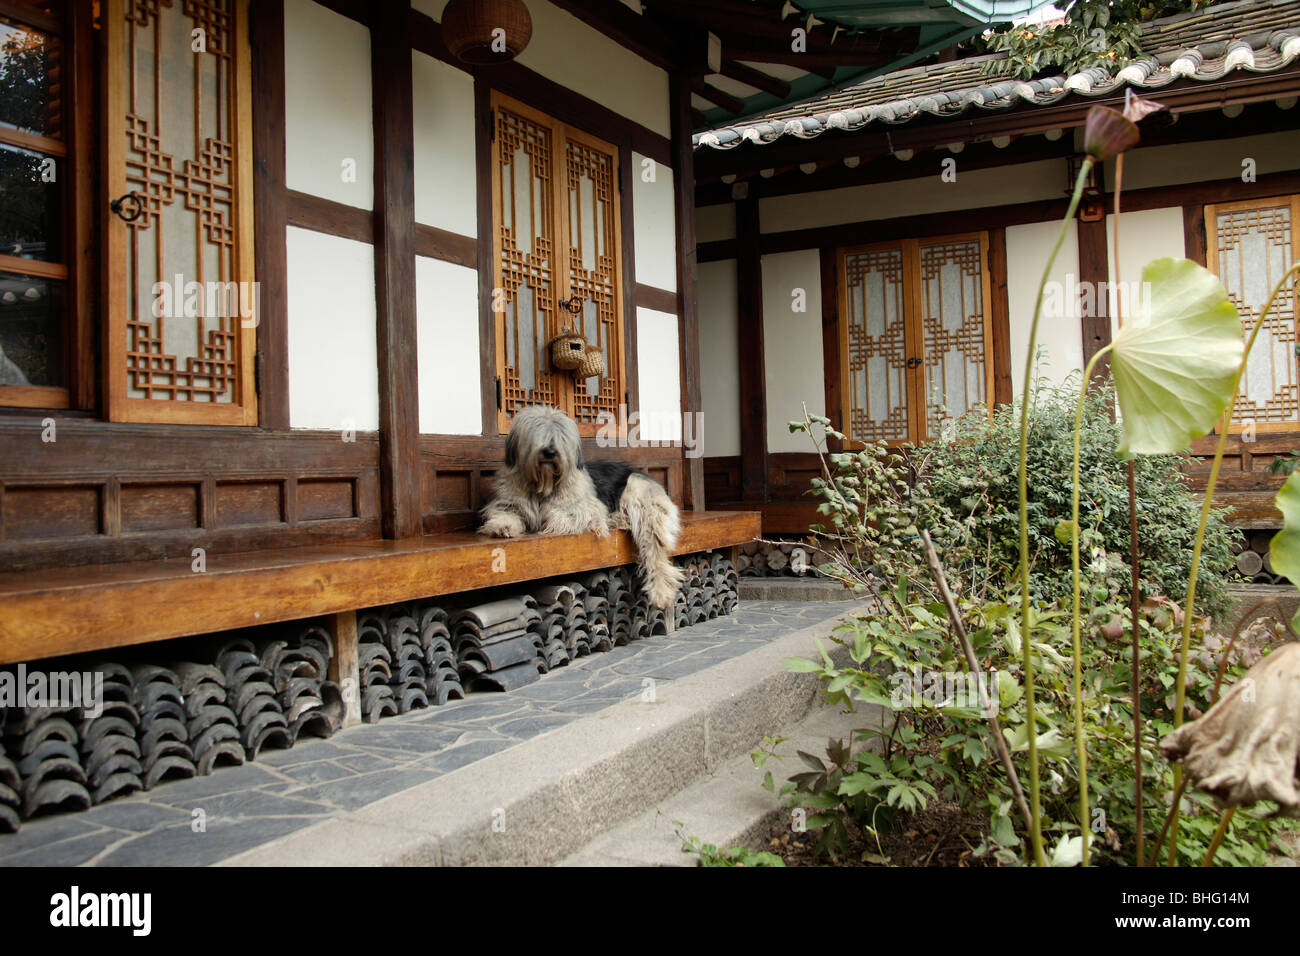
(1001, 309)
(483, 126)
(399, 398)
(752, 384)
(732, 104)
(270, 253)
(988, 217)
(361, 11)
(627, 28)
(43, 613)
(344, 666)
(1194, 232)
(328, 216)
(830, 341)
(446, 246)
(687, 288)
(756, 78)
(661, 300)
(631, 289)
(1094, 270)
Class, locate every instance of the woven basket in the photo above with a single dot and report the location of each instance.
(467, 27)
(593, 363)
(568, 351)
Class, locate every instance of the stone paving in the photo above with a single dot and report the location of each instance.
(285, 790)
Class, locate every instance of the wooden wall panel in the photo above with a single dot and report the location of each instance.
(112, 493)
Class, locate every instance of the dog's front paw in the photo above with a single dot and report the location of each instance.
(502, 526)
(599, 527)
(618, 522)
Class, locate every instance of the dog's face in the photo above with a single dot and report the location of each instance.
(543, 447)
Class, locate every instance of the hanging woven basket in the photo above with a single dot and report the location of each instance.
(568, 351)
(593, 363)
(486, 31)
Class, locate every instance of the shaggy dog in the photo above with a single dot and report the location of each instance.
(547, 487)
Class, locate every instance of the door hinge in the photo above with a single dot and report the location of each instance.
(498, 392)
(258, 364)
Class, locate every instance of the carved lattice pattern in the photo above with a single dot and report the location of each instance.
(875, 312)
(556, 217)
(1253, 245)
(953, 328)
(179, 158)
(527, 237)
(593, 271)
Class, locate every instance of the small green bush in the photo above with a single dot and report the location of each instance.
(972, 472)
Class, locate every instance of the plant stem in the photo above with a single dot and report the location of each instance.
(1035, 829)
(1135, 573)
(1181, 696)
(959, 629)
(1219, 834)
(1079, 746)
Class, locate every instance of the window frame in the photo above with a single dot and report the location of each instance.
(118, 405)
(1210, 213)
(616, 358)
(918, 424)
(70, 270)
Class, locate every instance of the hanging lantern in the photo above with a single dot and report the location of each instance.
(486, 31)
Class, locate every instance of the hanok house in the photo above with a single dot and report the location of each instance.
(274, 279)
(876, 251)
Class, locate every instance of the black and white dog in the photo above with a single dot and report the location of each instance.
(547, 487)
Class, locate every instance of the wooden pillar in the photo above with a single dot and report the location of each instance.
(1094, 270)
(1194, 233)
(1000, 307)
(344, 667)
(270, 254)
(687, 290)
(831, 360)
(399, 412)
(753, 384)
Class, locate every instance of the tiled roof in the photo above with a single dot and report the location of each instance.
(1259, 36)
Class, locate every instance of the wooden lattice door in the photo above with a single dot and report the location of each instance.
(1251, 245)
(181, 304)
(915, 335)
(556, 253)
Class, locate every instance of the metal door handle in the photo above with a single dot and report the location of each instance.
(913, 362)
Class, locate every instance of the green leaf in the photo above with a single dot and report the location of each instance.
(1284, 549)
(1175, 361)
(1065, 530)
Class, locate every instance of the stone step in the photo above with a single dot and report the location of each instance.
(543, 800)
(727, 808)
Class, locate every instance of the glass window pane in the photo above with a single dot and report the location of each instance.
(31, 331)
(31, 207)
(31, 80)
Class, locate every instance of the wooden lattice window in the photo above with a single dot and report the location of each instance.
(1250, 245)
(915, 335)
(556, 243)
(181, 296)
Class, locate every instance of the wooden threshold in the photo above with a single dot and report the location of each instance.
(72, 610)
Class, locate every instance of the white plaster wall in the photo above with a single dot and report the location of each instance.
(719, 359)
(654, 222)
(659, 376)
(446, 303)
(1027, 182)
(445, 172)
(1210, 159)
(1028, 247)
(792, 345)
(714, 223)
(333, 360)
(328, 110)
(566, 50)
(1143, 235)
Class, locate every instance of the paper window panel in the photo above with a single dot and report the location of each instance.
(1251, 245)
(953, 319)
(875, 316)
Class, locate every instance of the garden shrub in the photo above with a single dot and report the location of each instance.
(972, 471)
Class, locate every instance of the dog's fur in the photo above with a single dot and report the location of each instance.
(547, 487)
